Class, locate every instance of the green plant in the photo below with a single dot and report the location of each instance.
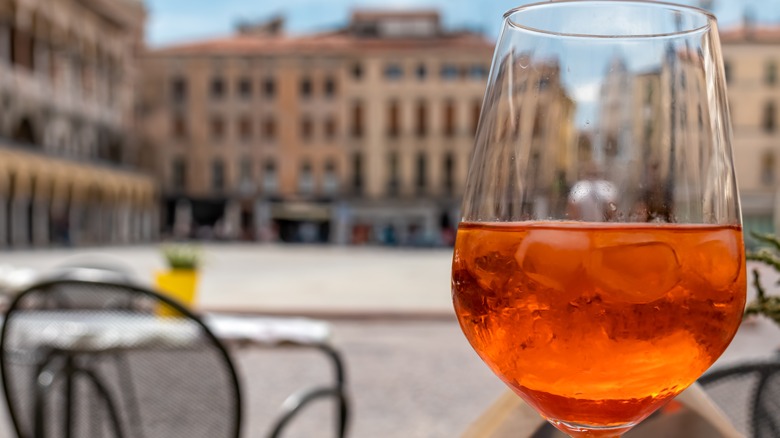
(182, 256)
(768, 306)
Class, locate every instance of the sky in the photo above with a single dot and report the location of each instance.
(176, 21)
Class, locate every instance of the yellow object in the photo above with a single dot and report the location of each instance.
(179, 284)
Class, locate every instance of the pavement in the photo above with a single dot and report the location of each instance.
(309, 280)
(410, 371)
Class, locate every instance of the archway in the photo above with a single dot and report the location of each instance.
(25, 134)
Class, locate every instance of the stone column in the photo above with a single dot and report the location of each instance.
(263, 221)
(75, 223)
(3, 222)
(232, 220)
(123, 223)
(182, 219)
(41, 221)
(20, 232)
(341, 224)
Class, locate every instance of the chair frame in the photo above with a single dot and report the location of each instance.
(103, 278)
(765, 369)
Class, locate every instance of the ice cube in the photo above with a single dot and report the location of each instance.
(717, 261)
(635, 273)
(555, 258)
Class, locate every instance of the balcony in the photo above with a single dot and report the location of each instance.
(37, 91)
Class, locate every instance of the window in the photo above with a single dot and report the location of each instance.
(218, 175)
(330, 128)
(476, 111)
(217, 89)
(269, 128)
(178, 90)
(245, 88)
(270, 178)
(307, 128)
(357, 119)
(357, 173)
(768, 168)
(449, 118)
(269, 88)
(330, 87)
(393, 182)
(357, 72)
(179, 127)
(245, 129)
(330, 183)
(422, 119)
(449, 173)
(217, 128)
(393, 122)
(421, 178)
(449, 72)
(306, 88)
(305, 179)
(179, 174)
(421, 72)
(393, 72)
(771, 73)
(769, 117)
(478, 71)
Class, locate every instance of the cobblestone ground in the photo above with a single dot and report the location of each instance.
(406, 379)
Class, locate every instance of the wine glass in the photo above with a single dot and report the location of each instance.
(599, 267)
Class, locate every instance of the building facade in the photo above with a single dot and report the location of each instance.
(67, 74)
(752, 58)
(361, 134)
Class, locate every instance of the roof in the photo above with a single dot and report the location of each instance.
(334, 43)
(751, 34)
(366, 15)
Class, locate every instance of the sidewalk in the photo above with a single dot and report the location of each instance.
(310, 280)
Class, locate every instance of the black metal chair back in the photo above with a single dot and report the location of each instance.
(84, 356)
(749, 394)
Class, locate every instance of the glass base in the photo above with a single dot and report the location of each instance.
(584, 430)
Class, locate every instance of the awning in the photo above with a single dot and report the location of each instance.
(301, 211)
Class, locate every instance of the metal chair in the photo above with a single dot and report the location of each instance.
(749, 394)
(88, 355)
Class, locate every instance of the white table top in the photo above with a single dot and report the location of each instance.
(93, 332)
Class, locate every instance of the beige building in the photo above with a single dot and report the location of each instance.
(752, 59)
(359, 134)
(66, 146)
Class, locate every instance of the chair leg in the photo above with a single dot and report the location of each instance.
(128, 388)
(103, 393)
(45, 377)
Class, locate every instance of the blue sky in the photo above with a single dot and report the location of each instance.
(173, 21)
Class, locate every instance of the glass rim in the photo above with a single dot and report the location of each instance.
(709, 17)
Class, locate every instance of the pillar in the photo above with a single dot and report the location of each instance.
(20, 222)
(232, 220)
(3, 222)
(41, 226)
(341, 224)
(75, 223)
(182, 219)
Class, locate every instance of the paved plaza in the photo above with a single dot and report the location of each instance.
(410, 371)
